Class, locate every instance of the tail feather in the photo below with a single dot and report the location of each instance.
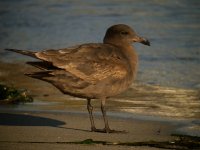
(43, 65)
(23, 52)
(39, 75)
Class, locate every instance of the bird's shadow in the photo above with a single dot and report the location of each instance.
(9, 119)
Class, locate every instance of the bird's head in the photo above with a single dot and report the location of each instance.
(121, 34)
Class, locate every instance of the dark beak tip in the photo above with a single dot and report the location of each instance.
(146, 42)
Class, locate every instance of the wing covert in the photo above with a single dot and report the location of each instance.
(90, 62)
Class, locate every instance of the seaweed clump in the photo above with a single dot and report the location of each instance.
(181, 143)
(10, 95)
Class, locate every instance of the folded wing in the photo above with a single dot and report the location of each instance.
(90, 62)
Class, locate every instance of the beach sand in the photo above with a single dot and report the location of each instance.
(48, 130)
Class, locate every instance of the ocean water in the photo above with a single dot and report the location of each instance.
(173, 27)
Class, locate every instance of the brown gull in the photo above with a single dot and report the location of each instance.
(92, 70)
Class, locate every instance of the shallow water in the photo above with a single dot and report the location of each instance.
(173, 27)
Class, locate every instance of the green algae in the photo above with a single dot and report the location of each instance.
(11, 95)
(180, 143)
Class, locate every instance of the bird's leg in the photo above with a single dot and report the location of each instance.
(93, 128)
(107, 128)
(103, 110)
(90, 108)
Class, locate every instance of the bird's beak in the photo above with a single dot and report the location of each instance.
(141, 40)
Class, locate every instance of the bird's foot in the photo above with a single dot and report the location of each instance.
(114, 131)
(107, 130)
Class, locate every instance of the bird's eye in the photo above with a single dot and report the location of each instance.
(124, 33)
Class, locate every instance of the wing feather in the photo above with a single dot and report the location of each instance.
(90, 62)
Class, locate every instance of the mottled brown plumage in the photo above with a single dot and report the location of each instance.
(91, 71)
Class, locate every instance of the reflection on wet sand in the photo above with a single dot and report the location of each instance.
(161, 101)
(139, 99)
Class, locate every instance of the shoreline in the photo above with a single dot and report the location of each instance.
(138, 99)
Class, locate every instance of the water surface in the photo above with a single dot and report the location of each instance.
(173, 27)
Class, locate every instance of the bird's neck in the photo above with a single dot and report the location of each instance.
(132, 59)
(127, 49)
(131, 55)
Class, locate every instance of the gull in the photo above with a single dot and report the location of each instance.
(91, 70)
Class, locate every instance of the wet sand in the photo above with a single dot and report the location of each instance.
(33, 130)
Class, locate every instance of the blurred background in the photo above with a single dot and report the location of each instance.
(173, 27)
